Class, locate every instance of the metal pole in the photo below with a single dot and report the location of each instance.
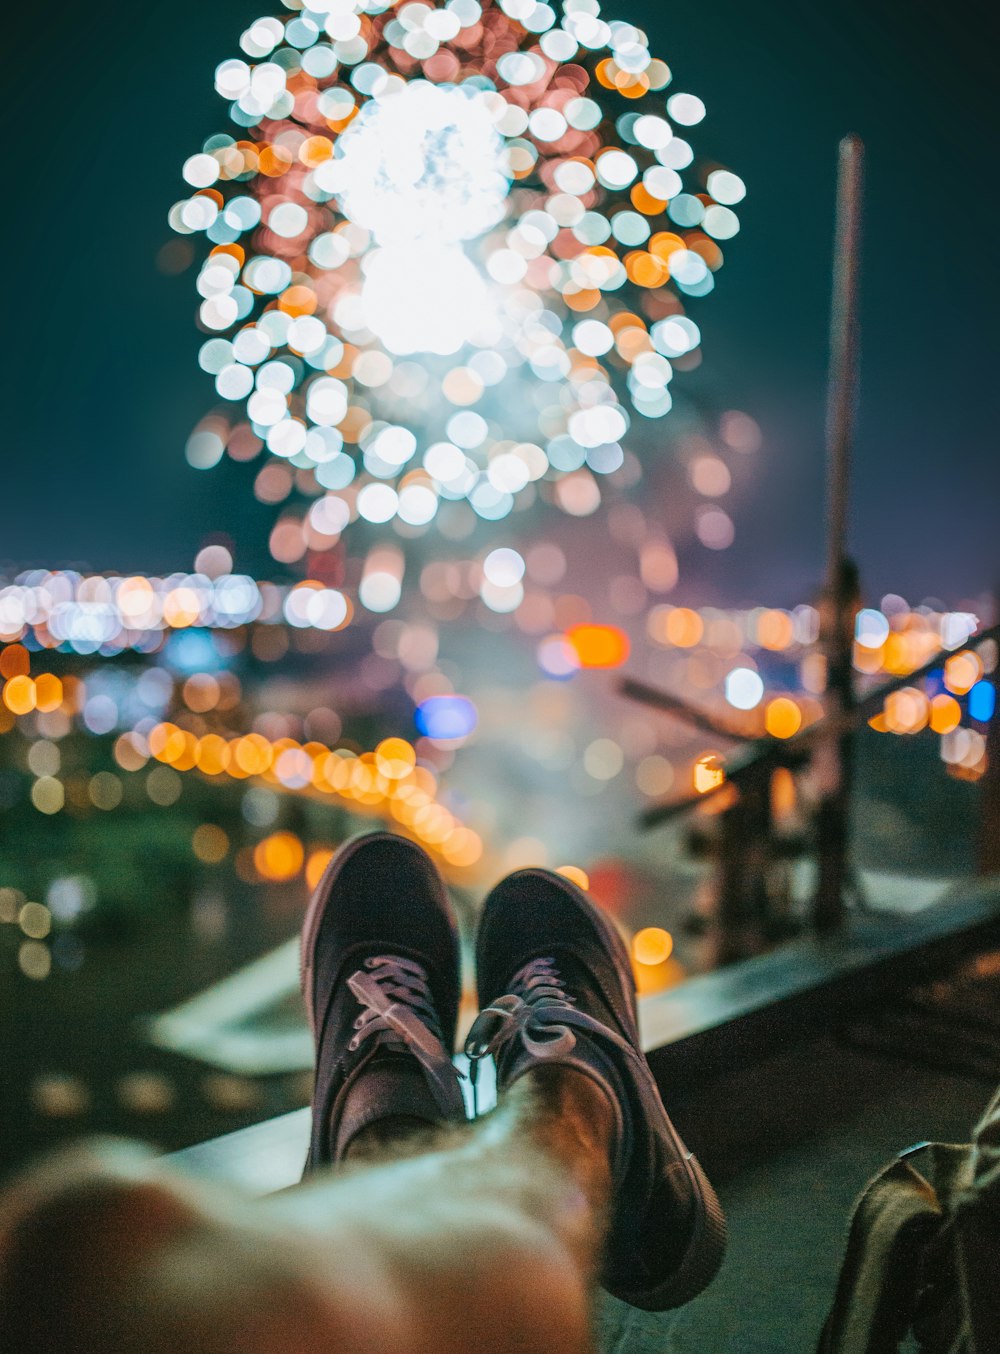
(843, 374)
(989, 786)
(833, 762)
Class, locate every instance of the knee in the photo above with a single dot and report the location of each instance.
(72, 1230)
(105, 1193)
(100, 1251)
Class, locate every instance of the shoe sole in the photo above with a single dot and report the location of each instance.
(700, 1262)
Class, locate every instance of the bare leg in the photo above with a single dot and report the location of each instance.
(486, 1242)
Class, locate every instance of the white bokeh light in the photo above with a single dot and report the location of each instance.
(422, 163)
(744, 688)
(447, 264)
(423, 297)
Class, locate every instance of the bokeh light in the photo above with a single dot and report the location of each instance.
(707, 773)
(451, 253)
(598, 646)
(744, 688)
(652, 945)
(446, 717)
(575, 875)
(783, 717)
(279, 857)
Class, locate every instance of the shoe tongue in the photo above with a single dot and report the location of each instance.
(577, 977)
(389, 1085)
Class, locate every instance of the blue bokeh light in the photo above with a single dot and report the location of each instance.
(982, 701)
(446, 717)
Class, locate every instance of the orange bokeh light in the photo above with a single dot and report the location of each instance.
(707, 773)
(253, 754)
(235, 251)
(652, 945)
(946, 714)
(19, 695)
(462, 848)
(48, 692)
(15, 661)
(962, 671)
(275, 161)
(298, 300)
(585, 298)
(395, 758)
(279, 857)
(664, 243)
(577, 876)
(683, 627)
(775, 630)
(318, 860)
(906, 711)
(783, 717)
(212, 755)
(644, 201)
(315, 149)
(166, 742)
(598, 646)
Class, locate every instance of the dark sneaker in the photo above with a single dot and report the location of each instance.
(380, 977)
(556, 986)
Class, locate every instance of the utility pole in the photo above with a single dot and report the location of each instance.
(833, 762)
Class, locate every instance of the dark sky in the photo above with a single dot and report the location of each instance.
(101, 384)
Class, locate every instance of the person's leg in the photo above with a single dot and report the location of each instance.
(559, 1000)
(492, 1236)
(543, 1156)
(103, 1249)
(487, 1242)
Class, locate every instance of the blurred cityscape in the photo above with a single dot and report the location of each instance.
(180, 756)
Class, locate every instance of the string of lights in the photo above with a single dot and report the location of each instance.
(717, 647)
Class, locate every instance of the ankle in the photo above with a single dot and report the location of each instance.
(394, 1135)
(571, 1118)
(574, 1095)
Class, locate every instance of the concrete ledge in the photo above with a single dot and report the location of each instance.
(711, 1024)
(742, 1013)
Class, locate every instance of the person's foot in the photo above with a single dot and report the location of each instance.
(380, 977)
(556, 988)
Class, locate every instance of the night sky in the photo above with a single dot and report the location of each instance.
(102, 387)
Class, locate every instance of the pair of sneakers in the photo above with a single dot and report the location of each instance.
(381, 981)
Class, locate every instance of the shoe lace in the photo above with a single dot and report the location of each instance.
(397, 1011)
(541, 1014)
